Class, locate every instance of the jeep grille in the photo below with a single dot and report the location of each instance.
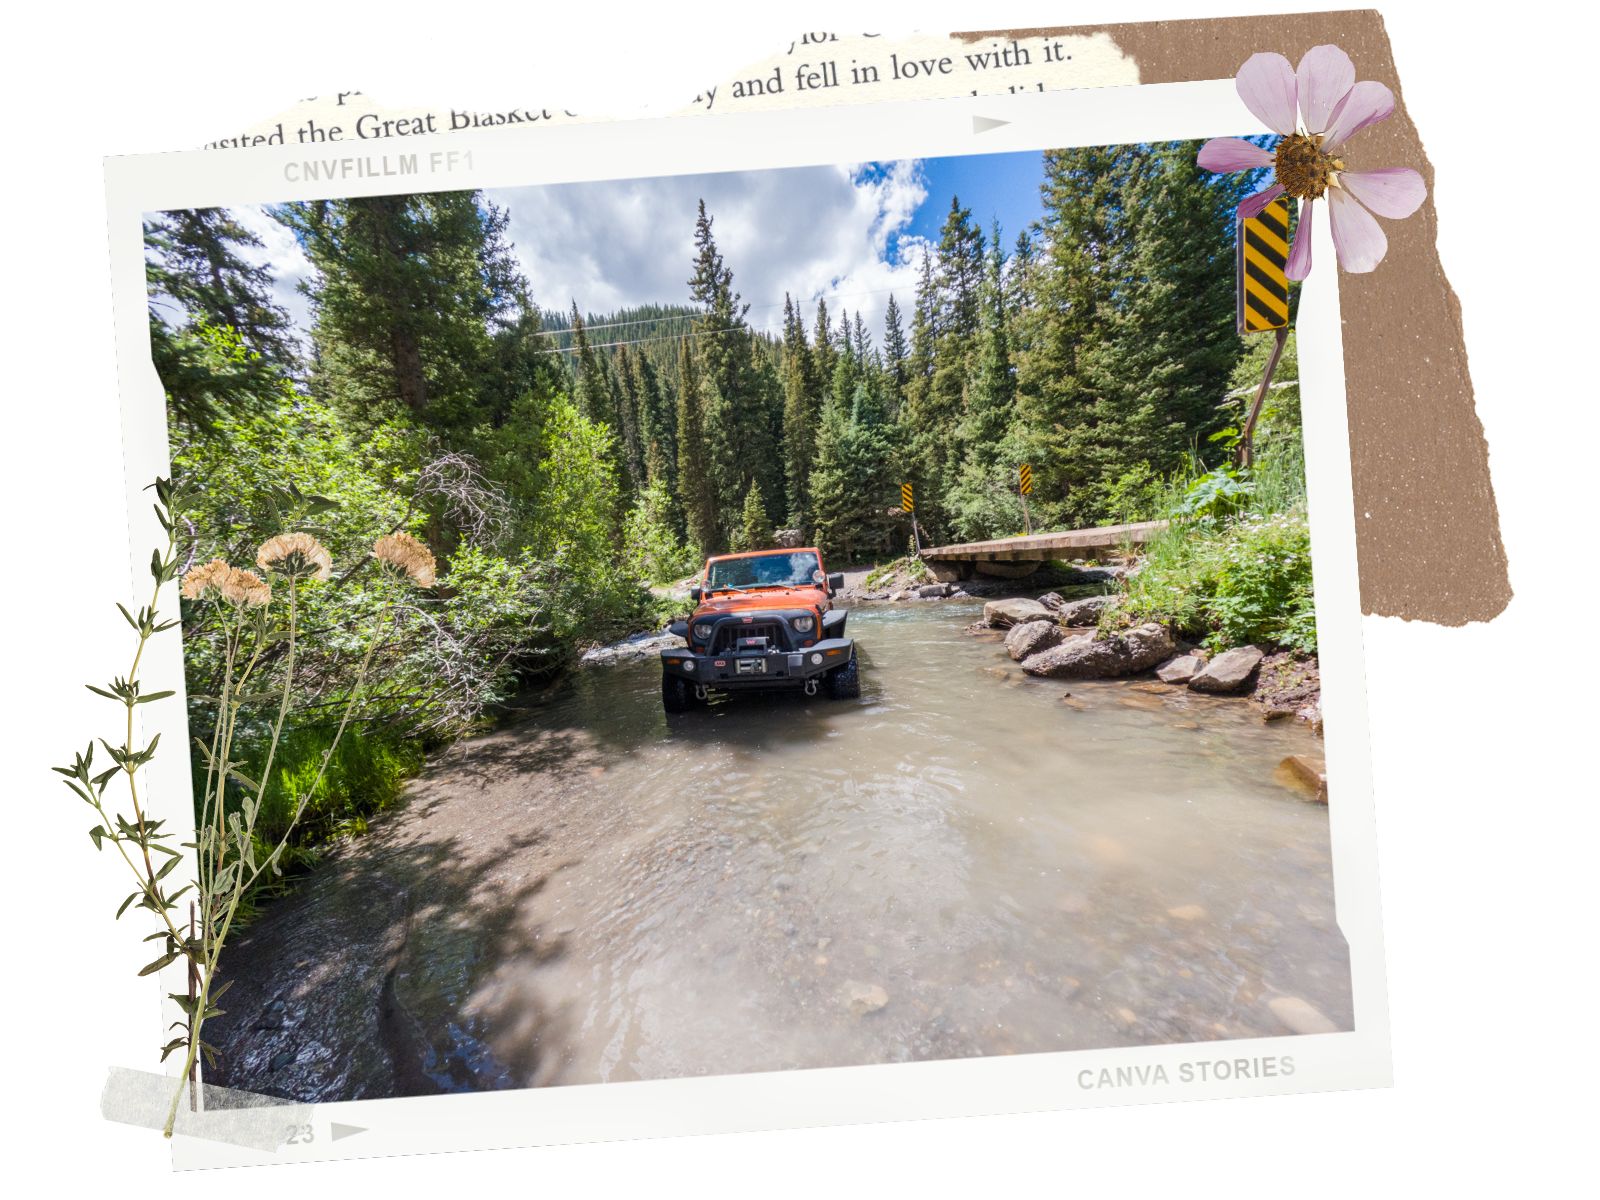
(726, 638)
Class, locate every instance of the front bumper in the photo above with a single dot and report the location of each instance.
(758, 668)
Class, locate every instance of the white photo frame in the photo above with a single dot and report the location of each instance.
(887, 131)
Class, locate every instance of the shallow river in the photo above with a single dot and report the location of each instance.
(963, 862)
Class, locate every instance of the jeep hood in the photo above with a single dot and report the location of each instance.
(763, 598)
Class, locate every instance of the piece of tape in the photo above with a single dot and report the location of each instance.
(217, 1114)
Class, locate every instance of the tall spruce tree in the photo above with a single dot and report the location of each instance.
(981, 501)
(738, 412)
(407, 292)
(895, 351)
(695, 491)
(799, 416)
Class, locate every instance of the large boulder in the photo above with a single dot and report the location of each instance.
(933, 591)
(1128, 653)
(1033, 637)
(1003, 614)
(1078, 613)
(1229, 671)
(789, 539)
(1181, 669)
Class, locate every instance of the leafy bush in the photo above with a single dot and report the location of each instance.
(366, 774)
(1246, 580)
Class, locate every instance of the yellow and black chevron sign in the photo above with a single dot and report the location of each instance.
(1263, 253)
(1025, 479)
(905, 498)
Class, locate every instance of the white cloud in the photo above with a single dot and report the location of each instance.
(834, 232)
(281, 253)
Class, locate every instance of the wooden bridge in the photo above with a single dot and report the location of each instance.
(1014, 557)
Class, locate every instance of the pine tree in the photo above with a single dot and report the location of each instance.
(822, 352)
(981, 501)
(960, 272)
(894, 355)
(755, 528)
(624, 381)
(852, 484)
(1067, 429)
(799, 413)
(193, 260)
(408, 291)
(741, 403)
(694, 478)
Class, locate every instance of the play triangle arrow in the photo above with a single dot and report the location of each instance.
(344, 1131)
(984, 124)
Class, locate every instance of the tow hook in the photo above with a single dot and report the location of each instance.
(699, 691)
(811, 686)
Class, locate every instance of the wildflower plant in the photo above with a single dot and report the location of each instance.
(256, 618)
(1315, 109)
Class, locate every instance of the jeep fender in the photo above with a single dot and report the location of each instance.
(833, 622)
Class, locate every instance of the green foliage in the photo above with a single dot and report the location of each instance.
(755, 528)
(653, 551)
(1234, 566)
(1216, 494)
(907, 570)
(364, 775)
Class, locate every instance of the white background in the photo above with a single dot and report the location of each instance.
(1481, 736)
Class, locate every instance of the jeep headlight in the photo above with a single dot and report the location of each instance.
(803, 624)
(702, 631)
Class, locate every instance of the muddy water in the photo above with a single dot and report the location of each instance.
(960, 863)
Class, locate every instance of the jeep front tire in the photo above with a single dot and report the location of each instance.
(845, 683)
(677, 695)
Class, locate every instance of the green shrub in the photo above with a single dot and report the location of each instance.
(366, 775)
(1261, 584)
(1230, 582)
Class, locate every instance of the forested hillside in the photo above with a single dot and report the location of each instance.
(557, 461)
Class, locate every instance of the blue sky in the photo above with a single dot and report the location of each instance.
(1003, 186)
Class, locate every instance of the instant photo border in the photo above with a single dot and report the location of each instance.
(137, 185)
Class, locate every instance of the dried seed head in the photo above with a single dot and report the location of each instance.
(208, 576)
(298, 555)
(245, 589)
(408, 556)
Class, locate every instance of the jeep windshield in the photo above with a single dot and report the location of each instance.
(766, 570)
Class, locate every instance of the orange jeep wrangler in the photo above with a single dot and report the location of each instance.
(761, 620)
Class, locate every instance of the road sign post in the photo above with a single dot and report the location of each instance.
(1024, 486)
(1262, 303)
(908, 505)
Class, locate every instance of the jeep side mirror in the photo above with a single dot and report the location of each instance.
(694, 593)
(835, 582)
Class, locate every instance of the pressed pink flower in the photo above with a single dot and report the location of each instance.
(1307, 164)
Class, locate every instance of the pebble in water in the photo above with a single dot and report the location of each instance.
(864, 998)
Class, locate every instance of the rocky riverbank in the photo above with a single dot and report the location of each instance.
(1053, 637)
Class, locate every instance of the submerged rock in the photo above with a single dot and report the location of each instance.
(863, 998)
(1229, 671)
(1138, 649)
(1003, 614)
(1024, 641)
(1304, 774)
(1181, 669)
